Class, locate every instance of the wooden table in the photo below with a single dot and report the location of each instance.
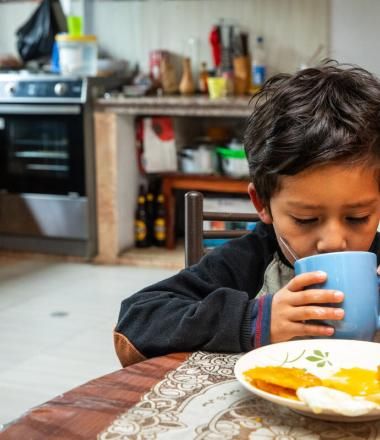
(177, 181)
(176, 396)
(85, 411)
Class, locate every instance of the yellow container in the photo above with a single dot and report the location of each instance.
(217, 87)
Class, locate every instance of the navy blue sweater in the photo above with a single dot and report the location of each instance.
(223, 303)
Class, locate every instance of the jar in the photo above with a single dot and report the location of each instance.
(78, 54)
(234, 162)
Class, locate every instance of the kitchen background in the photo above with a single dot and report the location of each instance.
(293, 28)
(51, 357)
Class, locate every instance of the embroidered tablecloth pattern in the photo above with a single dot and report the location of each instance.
(202, 400)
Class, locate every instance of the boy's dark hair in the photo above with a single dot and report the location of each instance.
(320, 115)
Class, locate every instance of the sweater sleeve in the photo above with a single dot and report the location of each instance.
(209, 306)
(261, 318)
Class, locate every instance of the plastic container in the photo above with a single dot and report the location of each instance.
(259, 63)
(217, 87)
(234, 162)
(200, 160)
(77, 54)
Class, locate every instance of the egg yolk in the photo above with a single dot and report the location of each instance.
(354, 381)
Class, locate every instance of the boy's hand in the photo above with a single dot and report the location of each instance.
(292, 305)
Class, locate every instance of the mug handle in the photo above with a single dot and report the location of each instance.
(378, 312)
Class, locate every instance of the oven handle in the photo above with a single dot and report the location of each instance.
(29, 109)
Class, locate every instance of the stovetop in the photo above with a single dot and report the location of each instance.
(27, 87)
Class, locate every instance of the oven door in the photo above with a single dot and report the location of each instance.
(42, 149)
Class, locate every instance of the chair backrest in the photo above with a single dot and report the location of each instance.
(194, 232)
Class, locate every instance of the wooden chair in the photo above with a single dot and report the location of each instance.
(194, 232)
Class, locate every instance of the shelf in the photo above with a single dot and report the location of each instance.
(197, 105)
(199, 182)
(117, 166)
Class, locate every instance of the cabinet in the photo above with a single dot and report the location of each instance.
(117, 170)
(172, 182)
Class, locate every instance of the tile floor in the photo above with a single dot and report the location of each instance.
(56, 321)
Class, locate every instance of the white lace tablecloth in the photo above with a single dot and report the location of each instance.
(202, 400)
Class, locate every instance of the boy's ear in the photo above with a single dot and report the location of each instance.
(262, 210)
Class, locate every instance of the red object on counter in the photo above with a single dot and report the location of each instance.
(155, 58)
(163, 128)
(216, 46)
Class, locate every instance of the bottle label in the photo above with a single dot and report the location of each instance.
(140, 230)
(159, 229)
(259, 73)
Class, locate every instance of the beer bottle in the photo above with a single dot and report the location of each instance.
(159, 222)
(150, 214)
(141, 230)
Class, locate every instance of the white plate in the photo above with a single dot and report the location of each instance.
(321, 357)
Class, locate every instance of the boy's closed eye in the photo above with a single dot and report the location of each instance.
(352, 220)
(305, 221)
(358, 220)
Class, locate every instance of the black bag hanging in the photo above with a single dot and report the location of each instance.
(35, 38)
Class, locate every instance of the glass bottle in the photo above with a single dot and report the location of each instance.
(141, 227)
(150, 213)
(203, 75)
(186, 86)
(159, 222)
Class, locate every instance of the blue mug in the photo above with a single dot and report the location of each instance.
(354, 274)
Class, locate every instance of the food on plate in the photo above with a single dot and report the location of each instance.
(281, 381)
(289, 393)
(354, 381)
(349, 391)
(323, 398)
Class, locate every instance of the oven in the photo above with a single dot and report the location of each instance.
(41, 149)
(47, 170)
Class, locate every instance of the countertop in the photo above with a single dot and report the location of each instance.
(196, 105)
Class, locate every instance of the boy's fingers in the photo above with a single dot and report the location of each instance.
(299, 282)
(301, 314)
(302, 329)
(315, 296)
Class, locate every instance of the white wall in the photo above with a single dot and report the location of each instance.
(130, 29)
(12, 16)
(292, 29)
(289, 27)
(355, 32)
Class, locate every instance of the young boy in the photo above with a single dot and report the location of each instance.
(313, 146)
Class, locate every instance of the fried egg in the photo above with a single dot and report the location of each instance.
(354, 381)
(323, 398)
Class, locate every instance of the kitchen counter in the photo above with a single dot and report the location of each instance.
(196, 105)
(117, 174)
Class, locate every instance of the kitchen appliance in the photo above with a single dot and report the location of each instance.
(47, 170)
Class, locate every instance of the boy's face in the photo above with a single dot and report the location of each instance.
(330, 208)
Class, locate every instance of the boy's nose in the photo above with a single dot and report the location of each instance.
(332, 241)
